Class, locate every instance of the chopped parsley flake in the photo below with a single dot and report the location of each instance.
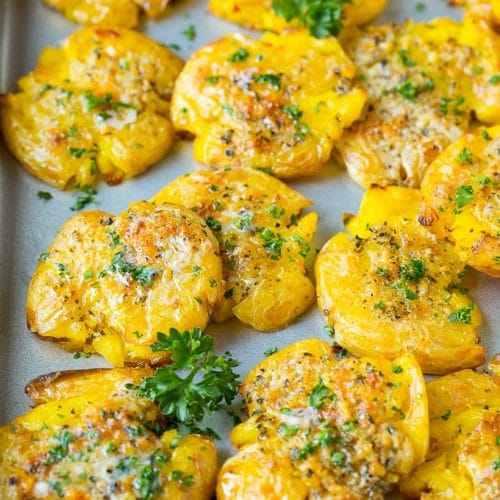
(294, 111)
(270, 351)
(464, 196)
(404, 58)
(44, 195)
(322, 18)
(288, 430)
(446, 415)
(465, 156)
(271, 79)
(339, 458)
(212, 79)
(485, 135)
(213, 224)
(304, 252)
(462, 315)
(115, 239)
(142, 274)
(319, 393)
(275, 211)
(240, 55)
(190, 32)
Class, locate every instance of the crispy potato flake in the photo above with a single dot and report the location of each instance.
(323, 426)
(260, 103)
(90, 437)
(390, 287)
(108, 284)
(264, 242)
(98, 103)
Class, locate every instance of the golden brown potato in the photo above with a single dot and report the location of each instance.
(90, 437)
(391, 287)
(263, 240)
(464, 454)
(462, 198)
(277, 103)
(100, 102)
(483, 9)
(323, 426)
(124, 13)
(424, 81)
(108, 284)
(259, 14)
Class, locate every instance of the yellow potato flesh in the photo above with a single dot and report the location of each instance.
(296, 447)
(264, 242)
(391, 287)
(260, 103)
(98, 103)
(108, 284)
(92, 441)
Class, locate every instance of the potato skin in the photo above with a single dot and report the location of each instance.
(380, 304)
(98, 103)
(89, 425)
(265, 287)
(123, 13)
(259, 14)
(260, 103)
(464, 425)
(461, 199)
(368, 398)
(108, 284)
(425, 81)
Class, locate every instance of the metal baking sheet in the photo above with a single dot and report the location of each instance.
(29, 224)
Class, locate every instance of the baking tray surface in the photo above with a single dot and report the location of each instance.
(28, 224)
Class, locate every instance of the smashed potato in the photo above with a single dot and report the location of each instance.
(124, 13)
(424, 81)
(260, 103)
(483, 9)
(259, 14)
(324, 426)
(463, 459)
(391, 287)
(462, 198)
(98, 103)
(108, 284)
(264, 243)
(91, 437)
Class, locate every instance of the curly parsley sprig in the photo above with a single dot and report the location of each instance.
(197, 381)
(322, 17)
